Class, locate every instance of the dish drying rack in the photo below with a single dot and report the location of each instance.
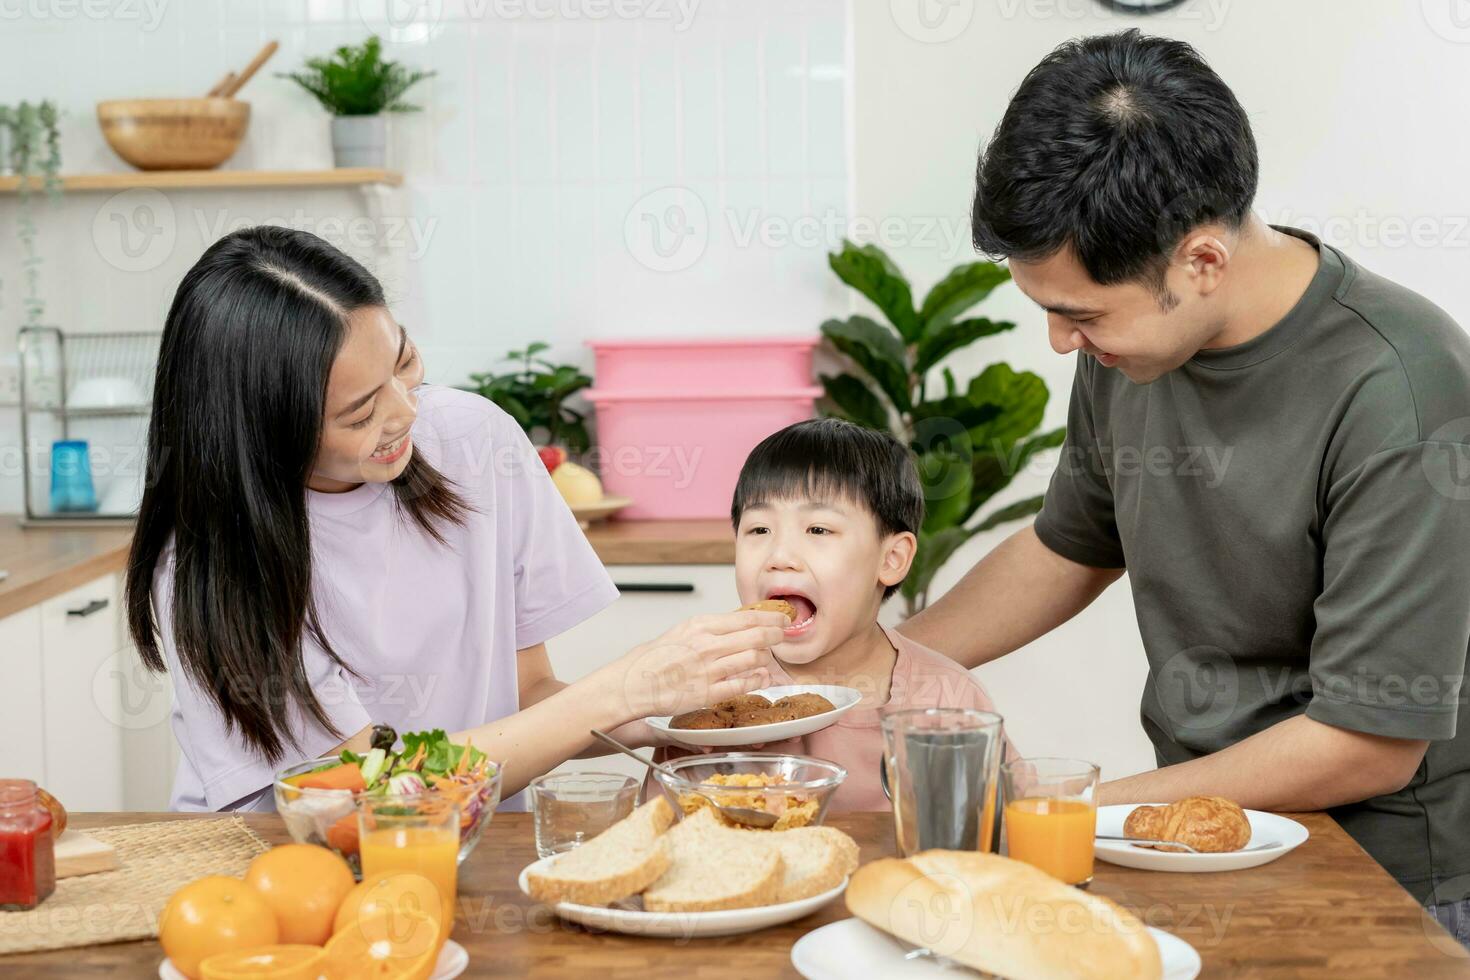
(54, 366)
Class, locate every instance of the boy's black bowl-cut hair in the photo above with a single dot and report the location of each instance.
(833, 457)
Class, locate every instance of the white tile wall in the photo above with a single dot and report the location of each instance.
(529, 172)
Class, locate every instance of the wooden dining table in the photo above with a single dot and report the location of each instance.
(1324, 910)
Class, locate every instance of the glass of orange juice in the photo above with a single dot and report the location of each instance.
(1051, 815)
(413, 835)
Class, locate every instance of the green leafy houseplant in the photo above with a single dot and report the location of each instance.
(969, 441)
(535, 395)
(33, 150)
(356, 81)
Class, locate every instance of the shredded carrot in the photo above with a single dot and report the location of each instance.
(464, 761)
(418, 757)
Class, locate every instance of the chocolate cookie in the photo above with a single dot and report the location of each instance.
(741, 702)
(702, 719)
(806, 704)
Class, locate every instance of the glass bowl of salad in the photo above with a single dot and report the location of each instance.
(318, 799)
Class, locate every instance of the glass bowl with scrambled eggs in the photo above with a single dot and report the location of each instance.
(796, 788)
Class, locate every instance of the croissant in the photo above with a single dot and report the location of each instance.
(1206, 823)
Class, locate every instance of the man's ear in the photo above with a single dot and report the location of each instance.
(898, 557)
(1204, 254)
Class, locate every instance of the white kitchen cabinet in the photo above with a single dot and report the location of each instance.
(82, 731)
(82, 716)
(21, 720)
(150, 753)
(656, 597)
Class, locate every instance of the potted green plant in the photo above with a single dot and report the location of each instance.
(535, 394)
(30, 147)
(970, 441)
(357, 87)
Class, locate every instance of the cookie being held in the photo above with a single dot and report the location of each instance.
(772, 605)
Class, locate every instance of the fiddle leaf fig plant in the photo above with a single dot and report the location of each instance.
(970, 441)
(535, 394)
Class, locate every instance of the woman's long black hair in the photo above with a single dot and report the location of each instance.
(238, 407)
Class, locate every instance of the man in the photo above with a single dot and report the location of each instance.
(1265, 436)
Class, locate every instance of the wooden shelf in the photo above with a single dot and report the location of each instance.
(218, 179)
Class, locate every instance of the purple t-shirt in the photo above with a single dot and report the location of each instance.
(432, 629)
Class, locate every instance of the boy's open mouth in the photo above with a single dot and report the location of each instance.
(806, 611)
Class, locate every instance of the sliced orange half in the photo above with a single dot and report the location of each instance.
(293, 962)
(398, 945)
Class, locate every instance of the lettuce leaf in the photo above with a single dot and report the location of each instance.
(440, 754)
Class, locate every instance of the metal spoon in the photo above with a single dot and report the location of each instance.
(1174, 845)
(741, 815)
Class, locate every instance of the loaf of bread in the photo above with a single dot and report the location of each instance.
(1211, 824)
(1001, 916)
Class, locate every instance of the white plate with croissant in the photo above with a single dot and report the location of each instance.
(1226, 837)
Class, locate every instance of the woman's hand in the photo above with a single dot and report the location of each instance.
(700, 661)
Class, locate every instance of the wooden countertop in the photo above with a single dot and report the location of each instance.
(1324, 910)
(45, 562)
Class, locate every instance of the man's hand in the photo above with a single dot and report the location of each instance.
(1295, 765)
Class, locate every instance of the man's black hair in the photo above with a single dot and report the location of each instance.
(1116, 145)
(835, 459)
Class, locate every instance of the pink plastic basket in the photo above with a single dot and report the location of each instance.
(747, 365)
(678, 455)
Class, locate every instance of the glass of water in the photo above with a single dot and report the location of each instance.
(942, 769)
(569, 808)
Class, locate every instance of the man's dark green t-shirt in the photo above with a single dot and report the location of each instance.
(1294, 516)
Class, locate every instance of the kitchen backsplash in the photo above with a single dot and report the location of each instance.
(567, 179)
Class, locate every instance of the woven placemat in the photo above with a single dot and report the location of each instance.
(113, 906)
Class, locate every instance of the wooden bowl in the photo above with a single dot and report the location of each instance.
(174, 134)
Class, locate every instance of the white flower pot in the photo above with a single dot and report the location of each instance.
(360, 141)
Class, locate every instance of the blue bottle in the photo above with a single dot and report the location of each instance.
(71, 477)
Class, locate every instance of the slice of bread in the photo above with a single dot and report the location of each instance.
(814, 863)
(621, 861)
(713, 867)
(847, 848)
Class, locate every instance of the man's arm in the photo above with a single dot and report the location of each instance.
(1020, 591)
(1297, 764)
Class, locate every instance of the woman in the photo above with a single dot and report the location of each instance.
(326, 542)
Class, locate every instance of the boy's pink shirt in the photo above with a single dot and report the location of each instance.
(922, 678)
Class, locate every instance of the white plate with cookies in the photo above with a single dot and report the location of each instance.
(1274, 835)
(738, 718)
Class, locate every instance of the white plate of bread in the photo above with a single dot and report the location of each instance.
(1212, 825)
(649, 876)
(988, 913)
(794, 709)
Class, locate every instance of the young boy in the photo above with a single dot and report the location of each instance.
(825, 516)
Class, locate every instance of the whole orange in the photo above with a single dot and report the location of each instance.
(391, 892)
(303, 884)
(214, 915)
